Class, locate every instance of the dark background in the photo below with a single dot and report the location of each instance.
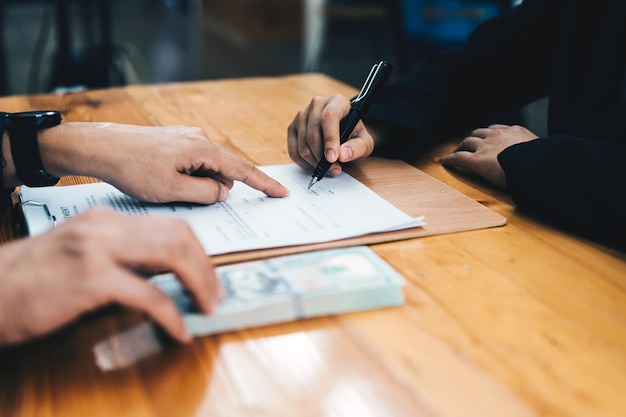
(61, 45)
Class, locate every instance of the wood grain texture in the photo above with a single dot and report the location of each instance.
(520, 320)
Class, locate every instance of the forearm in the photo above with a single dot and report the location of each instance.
(70, 148)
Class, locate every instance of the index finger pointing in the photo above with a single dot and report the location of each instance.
(240, 170)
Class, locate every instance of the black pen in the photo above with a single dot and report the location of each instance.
(358, 106)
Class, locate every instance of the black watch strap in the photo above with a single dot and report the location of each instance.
(5, 194)
(26, 156)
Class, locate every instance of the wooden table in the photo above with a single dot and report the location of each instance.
(521, 320)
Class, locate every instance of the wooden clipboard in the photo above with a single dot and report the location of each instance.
(410, 190)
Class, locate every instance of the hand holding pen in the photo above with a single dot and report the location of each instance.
(358, 107)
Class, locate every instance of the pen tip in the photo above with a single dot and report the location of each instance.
(311, 183)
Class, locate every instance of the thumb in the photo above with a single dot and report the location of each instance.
(360, 145)
(356, 148)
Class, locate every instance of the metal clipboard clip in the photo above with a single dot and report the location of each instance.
(33, 217)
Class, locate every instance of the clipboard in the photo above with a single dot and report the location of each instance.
(410, 190)
(406, 187)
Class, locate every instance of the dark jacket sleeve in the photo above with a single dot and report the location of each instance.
(5, 194)
(505, 64)
(574, 183)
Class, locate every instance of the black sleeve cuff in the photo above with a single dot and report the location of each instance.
(574, 183)
(5, 194)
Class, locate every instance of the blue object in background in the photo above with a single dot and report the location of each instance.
(445, 22)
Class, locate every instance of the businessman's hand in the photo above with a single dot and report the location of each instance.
(96, 259)
(151, 163)
(315, 132)
(478, 153)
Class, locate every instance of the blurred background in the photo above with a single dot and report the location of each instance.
(69, 45)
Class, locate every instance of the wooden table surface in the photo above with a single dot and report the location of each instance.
(520, 320)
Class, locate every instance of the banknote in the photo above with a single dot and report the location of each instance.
(292, 287)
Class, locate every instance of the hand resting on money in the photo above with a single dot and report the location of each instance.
(96, 259)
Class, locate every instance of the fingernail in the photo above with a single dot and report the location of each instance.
(223, 193)
(335, 171)
(283, 187)
(331, 155)
(348, 152)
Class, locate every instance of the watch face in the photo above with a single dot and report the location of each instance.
(43, 118)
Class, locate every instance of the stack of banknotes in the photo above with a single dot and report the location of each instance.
(292, 287)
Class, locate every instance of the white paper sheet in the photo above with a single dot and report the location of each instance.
(336, 208)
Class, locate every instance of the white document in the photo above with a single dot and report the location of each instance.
(335, 208)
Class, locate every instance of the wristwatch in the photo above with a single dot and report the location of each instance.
(22, 129)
